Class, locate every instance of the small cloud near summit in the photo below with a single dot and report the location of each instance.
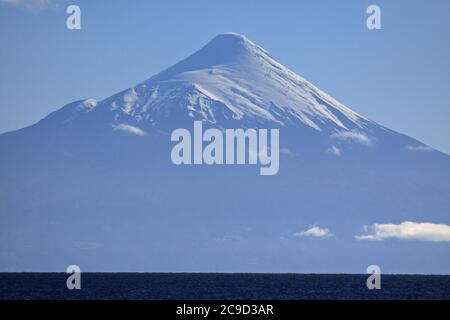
(353, 136)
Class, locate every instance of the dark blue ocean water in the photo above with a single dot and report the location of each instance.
(193, 286)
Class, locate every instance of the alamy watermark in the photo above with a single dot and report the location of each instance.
(374, 280)
(73, 21)
(373, 21)
(229, 146)
(74, 280)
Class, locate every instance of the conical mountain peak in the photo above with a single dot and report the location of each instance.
(246, 80)
(230, 81)
(225, 49)
(229, 43)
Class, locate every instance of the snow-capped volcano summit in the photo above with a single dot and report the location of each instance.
(93, 183)
(231, 78)
(234, 72)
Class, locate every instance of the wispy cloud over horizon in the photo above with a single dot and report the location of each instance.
(406, 230)
(315, 232)
(32, 5)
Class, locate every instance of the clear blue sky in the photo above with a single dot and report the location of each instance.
(398, 76)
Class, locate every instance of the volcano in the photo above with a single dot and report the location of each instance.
(92, 184)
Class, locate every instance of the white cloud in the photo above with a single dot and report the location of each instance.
(129, 129)
(89, 103)
(32, 5)
(334, 150)
(353, 136)
(407, 231)
(287, 152)
(130, 98)
(314, 232)
(419, 148)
